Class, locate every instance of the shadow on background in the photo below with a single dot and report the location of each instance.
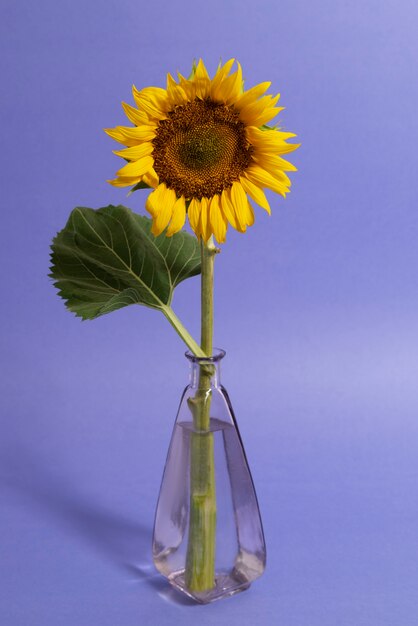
(122, 541)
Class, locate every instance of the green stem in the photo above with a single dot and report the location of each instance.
(200, 561)
(207, 252)
(181, 330)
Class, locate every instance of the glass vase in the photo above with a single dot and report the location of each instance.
(208, 537)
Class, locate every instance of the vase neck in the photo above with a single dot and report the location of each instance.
(209, 366)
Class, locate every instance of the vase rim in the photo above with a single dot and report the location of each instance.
(218, 355)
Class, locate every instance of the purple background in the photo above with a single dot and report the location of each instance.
(316, 306)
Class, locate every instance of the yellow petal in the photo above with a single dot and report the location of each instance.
(201, 81)
(249, 218)
(256, 193)
(135, 152)
(160, 204)
(251, 95)
(179, 217)
(288, 147)
(275, 162)
(228, 210)
(239, 201)
(230, 88)
(188, 87)
(205, 228)
(153, 201)
(198, 85)
(152, 100)
(157, 93)
(124, 182)
(268, 140)
(237, 86)
(129, 136)
(267, 115)
(176, 94)
(136, 117)
(261, 111)
(217, 219)
(273, 167)
(259, 176)
(220, 75)
(194, 215)
(151, 178)
(223, 71)
(165, 214)
(136, 168)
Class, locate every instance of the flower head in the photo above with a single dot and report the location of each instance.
(204, 146)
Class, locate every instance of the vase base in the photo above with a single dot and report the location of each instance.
(226, 584)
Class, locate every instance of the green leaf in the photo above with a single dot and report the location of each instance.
(108, 258)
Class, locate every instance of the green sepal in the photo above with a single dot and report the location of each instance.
(267, 127)
(140, 185)
(193, 72)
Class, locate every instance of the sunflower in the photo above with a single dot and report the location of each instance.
(202, 144)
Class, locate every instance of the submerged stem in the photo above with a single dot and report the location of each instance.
(200, 562)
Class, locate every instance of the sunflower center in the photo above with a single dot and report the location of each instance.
(201, 148)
